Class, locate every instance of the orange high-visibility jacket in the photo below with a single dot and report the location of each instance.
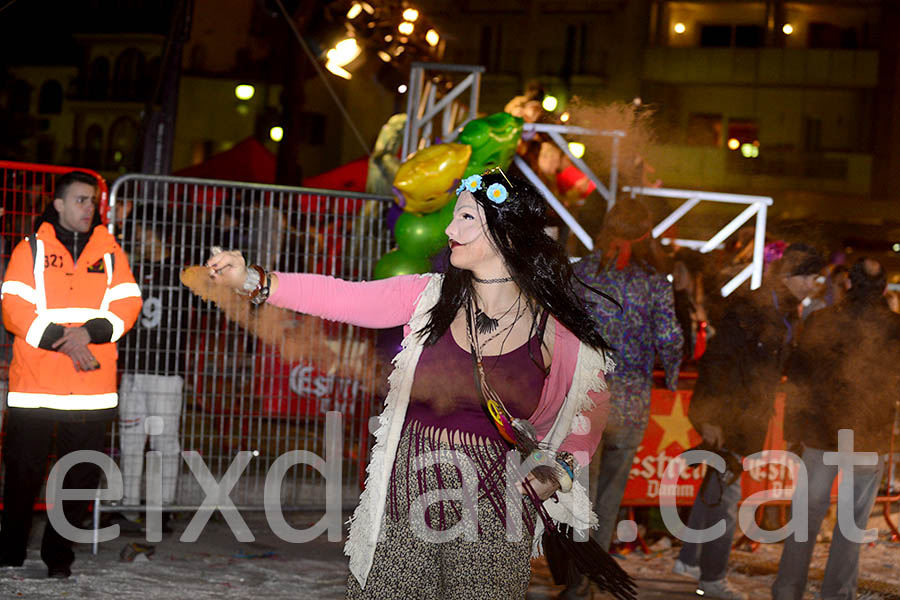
(46, 288)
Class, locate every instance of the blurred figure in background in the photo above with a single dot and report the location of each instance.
(630, 267)
(893, 300)
(153, 356)
(734, 398)
(842, 375)
(687, 281)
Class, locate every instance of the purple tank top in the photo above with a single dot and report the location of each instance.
(444, 394)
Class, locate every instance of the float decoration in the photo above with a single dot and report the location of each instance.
(493, 140)
(427, 180)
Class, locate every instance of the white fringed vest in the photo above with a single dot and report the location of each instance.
(573, 507)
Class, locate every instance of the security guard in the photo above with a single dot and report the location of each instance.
(68, 295)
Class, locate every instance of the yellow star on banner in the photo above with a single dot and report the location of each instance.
(675, 425)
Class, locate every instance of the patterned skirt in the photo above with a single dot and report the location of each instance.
(444, 534)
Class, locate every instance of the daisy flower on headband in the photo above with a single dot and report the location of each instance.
(471, 184)
(497, 194)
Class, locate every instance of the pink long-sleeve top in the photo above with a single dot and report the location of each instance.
(391, 302)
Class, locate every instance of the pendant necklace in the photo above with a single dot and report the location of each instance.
(485, 324)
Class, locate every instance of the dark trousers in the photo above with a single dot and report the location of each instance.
(25, 450)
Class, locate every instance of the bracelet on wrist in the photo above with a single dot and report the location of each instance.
(562, 466)
(252, 282)
(566, 473)
(260, 291)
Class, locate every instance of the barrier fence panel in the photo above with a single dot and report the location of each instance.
(194, 382)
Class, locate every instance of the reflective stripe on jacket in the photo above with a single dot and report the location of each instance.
(46, 288)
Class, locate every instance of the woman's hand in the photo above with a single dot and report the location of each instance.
(543, 489)
(227, 267)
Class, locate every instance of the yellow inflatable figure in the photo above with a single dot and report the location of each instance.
(428, 180)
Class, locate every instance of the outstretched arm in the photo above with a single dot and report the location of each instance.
(373, 304)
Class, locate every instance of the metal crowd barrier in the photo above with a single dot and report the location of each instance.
(214, 390)
(240, 395)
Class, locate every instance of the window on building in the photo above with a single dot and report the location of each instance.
(484, 46)
(704, 130)
(569, 64)
(577, 58)
(748, 36)
(827, 35)
(745, 131)
(123, 139)
(715, 36)
(491, 42)
(812, 134)
(583, 33)
(130, 75)
(20, 100)
(153, 68)
(725, 36)
(98, 79)
(93, 147)
(50, 98)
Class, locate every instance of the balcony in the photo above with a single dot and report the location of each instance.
(762, 66)
(720, 169)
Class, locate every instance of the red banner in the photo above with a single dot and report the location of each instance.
(669, 433)
(299, 388)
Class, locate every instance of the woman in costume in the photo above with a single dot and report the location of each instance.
(506, 311)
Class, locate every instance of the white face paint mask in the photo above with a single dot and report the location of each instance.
(471, 246)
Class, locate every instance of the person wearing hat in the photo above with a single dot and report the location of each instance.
(734, 398)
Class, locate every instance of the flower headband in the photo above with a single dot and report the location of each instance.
(496, 192)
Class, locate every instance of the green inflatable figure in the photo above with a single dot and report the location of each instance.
(422, 235)
(396, 262)
(493, 140)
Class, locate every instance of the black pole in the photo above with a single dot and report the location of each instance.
(162, 106)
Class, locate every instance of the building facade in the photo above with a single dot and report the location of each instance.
(797, 100)
(809, 86)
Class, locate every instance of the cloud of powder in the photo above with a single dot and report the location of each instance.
(635, 121)
(298, 337)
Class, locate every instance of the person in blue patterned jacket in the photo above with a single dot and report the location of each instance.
(629, 265)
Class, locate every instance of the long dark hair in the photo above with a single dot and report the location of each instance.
(536, 262)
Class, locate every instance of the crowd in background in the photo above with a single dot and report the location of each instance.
(799, 332)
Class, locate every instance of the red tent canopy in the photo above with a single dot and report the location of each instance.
(248, 160)
(350, 177)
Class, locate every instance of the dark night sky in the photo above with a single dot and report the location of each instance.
(41, 31)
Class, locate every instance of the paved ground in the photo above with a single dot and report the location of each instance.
(217, 566)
